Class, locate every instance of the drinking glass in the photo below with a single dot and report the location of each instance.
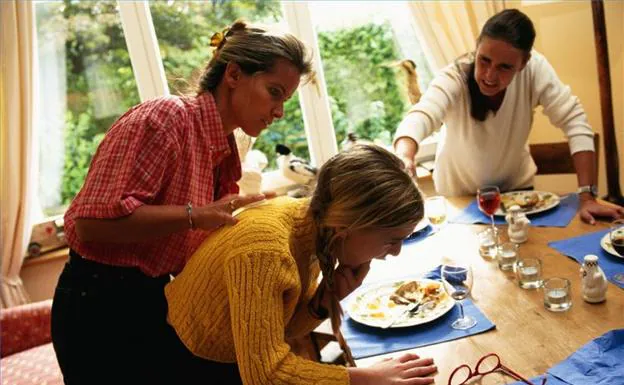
(616, 235)
(507, 255)
(529, 272)
(489, 201)
(435, 210)
(457, 280)
(488, 241)
(557, 294)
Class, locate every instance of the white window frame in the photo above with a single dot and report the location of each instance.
(147, 65)
(317, 118)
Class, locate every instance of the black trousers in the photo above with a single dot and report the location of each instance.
(189, 369)
(108, 325)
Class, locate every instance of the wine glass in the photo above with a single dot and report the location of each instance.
(457, 280)
(489, 201)
(435, 210)
(616, 235)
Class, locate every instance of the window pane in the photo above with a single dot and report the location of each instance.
(184, 28)
(85, 83)
(364, 46)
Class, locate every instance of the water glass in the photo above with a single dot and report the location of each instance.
(529, 273)
(557, 296)
(488, 239)
(507, 255)
(457, 280)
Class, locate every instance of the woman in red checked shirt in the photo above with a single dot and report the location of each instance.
(163, 177)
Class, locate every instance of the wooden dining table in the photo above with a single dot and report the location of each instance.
(528, 338)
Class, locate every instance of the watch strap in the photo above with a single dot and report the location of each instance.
(592, 189)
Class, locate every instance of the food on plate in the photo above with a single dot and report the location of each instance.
(526, 200)
(425, 299)
(406, 293)
(413, 291)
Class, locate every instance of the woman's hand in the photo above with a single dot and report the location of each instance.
(219, 213)
(406, 369)
(406, 148)
(591, 208)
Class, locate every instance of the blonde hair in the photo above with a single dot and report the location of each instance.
(255, 49)
(365, 187)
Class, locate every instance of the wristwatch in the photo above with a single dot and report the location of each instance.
(592, 189)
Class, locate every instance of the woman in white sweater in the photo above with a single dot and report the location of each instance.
(486, 102)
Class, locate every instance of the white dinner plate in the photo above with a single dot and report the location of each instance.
(545, 201)
(372, 305)
(605, 243)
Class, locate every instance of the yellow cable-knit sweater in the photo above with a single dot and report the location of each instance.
(240, 296)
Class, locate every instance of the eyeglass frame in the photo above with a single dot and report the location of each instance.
(498, 366)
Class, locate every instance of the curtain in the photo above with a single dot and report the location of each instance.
(17, 78)
(448, 29)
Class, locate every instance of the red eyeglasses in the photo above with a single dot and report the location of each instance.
(486, 365)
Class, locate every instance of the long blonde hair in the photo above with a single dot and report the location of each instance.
(364, 187)
(255, 49)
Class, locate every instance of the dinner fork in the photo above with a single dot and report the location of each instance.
(423, 306)
(409, 308)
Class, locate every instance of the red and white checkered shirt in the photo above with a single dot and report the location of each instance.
(165, 151)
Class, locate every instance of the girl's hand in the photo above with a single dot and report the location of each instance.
(347, 279)
(408, 369)
(219, 213)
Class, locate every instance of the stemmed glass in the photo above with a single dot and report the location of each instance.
(489, 199)
(435, 210)
(457, 280)
(616, 235)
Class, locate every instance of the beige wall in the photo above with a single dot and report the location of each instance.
(565, 36)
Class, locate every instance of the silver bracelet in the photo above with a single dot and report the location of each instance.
(189, 211)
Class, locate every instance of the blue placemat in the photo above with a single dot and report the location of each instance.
(366, 341)
(598, 362)
(420, 235)
(559, 216)
(579, 247)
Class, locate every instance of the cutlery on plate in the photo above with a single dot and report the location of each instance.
(409, 308)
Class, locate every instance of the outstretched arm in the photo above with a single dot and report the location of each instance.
(154, 221)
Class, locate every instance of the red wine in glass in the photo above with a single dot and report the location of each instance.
(489, 202)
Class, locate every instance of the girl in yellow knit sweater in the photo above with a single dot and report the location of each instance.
(251, 287)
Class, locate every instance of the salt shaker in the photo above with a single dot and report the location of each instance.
(593, 280)
(518, 229)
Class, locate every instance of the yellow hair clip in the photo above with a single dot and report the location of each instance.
(218, 38)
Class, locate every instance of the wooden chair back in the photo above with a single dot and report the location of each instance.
(555, 158)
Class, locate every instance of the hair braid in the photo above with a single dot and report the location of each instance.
(325, 238)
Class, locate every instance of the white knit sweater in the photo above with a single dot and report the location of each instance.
(470, 153)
